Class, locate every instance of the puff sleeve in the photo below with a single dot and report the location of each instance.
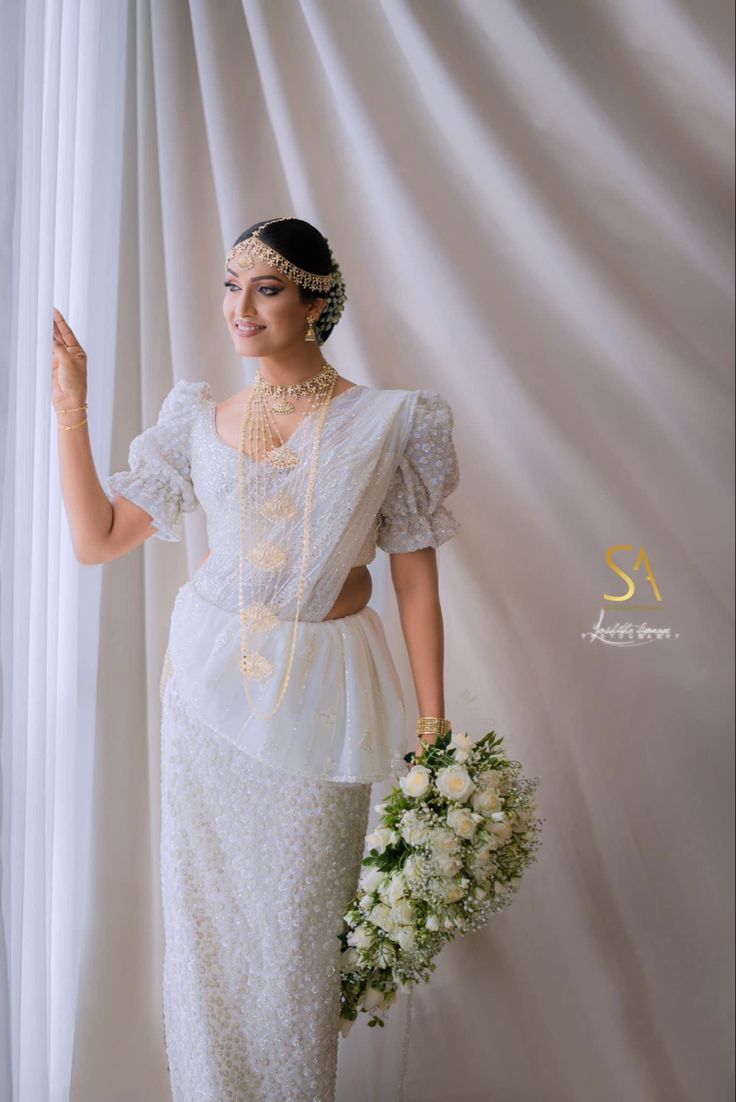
(159, 479)
(413, 515)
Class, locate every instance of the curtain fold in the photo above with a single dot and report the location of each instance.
(532, 207)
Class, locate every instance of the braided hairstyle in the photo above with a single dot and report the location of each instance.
(304, 245)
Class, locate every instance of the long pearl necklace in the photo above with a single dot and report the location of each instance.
(269, 557)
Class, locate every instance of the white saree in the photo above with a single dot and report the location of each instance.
(263, 821)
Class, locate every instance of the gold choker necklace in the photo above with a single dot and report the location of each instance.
(317, 385)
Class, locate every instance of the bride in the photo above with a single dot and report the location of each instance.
(280, 702)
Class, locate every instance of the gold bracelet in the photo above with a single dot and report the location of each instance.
(433, 725)
(75, 410)
(67, 427)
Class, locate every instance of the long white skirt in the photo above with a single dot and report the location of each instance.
(257, 870)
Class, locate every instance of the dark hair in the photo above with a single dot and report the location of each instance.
(304, 245)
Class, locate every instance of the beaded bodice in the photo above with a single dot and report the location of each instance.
(386, 463)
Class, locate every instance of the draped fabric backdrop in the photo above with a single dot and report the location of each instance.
(531, 203)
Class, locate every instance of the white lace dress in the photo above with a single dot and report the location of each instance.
(263, 822)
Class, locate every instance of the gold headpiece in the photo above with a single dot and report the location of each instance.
(245, 252)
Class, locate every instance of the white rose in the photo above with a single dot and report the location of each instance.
(406, 937)
(454, 782)
(416, 782)
(442, 840)
(360, 938)
(410, 869)
(482, 855)
(489, 778)
(487, 801)
(453, 891)
(462, 740)
(501, 831)
(433, 922)
(379, 839)
(396, 888)
(462, 822)
(413, 829)
(460, 755)
(447, 865)
(381, 916)
(414, 870)
(370, 878)
(403, 912)
(349, 959)
(366, 902)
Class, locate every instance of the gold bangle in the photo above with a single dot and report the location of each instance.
(433, 725)
(75, 410)
(67, 427)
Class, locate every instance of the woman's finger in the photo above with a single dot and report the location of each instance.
(68, 336)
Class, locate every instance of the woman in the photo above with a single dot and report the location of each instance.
(280, 700)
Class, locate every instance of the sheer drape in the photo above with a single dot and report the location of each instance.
(531, 205)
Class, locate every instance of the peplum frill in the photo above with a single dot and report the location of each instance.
(342, 717)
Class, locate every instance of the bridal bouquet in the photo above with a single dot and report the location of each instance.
(453, 840)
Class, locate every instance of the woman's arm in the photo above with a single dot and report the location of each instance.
(100, 530)
(416, 584)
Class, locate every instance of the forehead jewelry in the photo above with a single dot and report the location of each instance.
(245, 254)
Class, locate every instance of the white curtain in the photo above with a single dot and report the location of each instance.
(532, 207)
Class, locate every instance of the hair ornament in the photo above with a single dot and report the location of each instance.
(336, 300)
(244, 254)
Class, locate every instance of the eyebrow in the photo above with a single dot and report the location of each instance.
(255, 278)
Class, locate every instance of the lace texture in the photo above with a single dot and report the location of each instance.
(257, 869)
(412, 515)
(159, 479)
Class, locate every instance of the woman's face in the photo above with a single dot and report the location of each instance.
(263, 310)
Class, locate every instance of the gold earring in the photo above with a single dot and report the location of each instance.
(310, 334)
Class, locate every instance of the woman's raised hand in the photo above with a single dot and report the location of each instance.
(68, 367)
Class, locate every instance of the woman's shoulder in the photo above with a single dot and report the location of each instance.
(422, 394)
(421, 404)
(184, 397)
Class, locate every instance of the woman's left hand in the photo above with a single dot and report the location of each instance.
(431, 739)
